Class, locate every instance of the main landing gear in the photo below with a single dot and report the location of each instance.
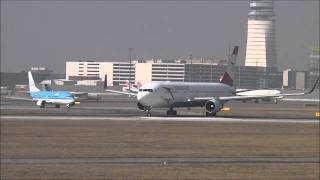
(43, 104)
(171, 112)
(147, 109)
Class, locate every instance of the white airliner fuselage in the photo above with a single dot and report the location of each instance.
(183, 94)
(171, 94)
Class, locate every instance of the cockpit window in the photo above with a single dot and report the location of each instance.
(145, 90)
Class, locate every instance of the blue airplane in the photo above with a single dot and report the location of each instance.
(49, 97)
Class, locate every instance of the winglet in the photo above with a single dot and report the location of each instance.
(235, 50)
(32, 86)
(226, 79)
(105, 84)
(314, 86)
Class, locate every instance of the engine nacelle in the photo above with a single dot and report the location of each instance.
(140, 106)
(40, 102)
(94, 96)
(213, 106)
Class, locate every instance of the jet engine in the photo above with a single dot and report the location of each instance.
(94, 96)
(140, 106)
(41, 103)
(213, 106)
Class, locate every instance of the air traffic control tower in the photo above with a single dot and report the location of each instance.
(261, 45)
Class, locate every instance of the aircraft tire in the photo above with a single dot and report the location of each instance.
(210, 114)
(171, 112)
(43, 104)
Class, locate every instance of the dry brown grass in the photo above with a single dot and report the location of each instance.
(183, 171)
(63, 138)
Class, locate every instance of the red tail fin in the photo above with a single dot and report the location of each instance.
(139, 85)
(226, 79)
(128, 85)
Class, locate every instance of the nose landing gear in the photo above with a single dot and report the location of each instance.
(147, 109)
(148, 113)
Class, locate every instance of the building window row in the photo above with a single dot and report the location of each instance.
(92, 71)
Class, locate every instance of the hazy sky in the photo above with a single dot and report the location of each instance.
(47, 33)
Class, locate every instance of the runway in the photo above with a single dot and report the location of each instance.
(173, 119)
(126, 107)
(160, 160)
(114, 139)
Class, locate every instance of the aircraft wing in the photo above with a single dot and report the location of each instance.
(228, 98)
(121, 92)
(16, 98)
(300, 100)
(79, 93)
(250, 97)
(243, 90)
(238, 97)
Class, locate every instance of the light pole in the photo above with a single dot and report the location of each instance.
(130, 52)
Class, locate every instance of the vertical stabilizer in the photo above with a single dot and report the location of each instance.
(232, 62)
(32, 86)
(105, 84)
(226, 79)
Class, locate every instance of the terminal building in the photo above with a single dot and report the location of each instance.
(118, 73)
(159, 71)
(293, 79)
(314, 66)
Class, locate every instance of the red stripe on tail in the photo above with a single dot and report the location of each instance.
(226, 79)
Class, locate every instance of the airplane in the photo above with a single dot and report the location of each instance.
(41, 98)
(212, 96)
(49, 97)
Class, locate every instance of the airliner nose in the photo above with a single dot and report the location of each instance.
(141, 96)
